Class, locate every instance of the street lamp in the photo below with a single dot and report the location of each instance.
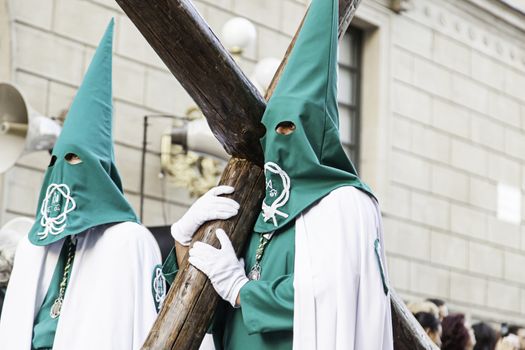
(238, 34)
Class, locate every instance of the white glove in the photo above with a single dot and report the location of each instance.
(222, 267)
(209, 207)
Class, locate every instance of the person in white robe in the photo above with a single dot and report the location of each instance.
(314, 274)
(82, 276)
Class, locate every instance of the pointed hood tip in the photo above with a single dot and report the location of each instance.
(91, 110)
(111, 27)
(311, 71)
(109, 33)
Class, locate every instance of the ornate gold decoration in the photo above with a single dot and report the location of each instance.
(194, 171)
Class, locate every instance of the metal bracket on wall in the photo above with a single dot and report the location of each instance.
(143, 157)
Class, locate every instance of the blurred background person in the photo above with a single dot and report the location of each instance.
(427, 314)
(519, 331)
(10, 235)
(6, 265)
(486, 336)
(521, 335)
(416, 307)
(513, 338)
(510, 342)
(442, 307)
(457, 333)
(431, 325)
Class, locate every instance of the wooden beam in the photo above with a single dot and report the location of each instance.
(408, 334)
(233, 108)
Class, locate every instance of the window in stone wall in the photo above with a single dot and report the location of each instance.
(349, 91)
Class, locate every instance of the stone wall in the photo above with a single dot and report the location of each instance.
(458, 130)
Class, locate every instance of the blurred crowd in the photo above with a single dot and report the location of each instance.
(454, 331)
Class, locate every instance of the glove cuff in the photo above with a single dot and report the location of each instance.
(178, 234)
(236, 289)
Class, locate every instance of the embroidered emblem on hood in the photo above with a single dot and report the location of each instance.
(272, 210)
(56, 205)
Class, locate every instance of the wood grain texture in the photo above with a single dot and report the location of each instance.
(233, 108)
(408, 334)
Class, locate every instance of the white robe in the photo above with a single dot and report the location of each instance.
(108, 303)
(339, 300)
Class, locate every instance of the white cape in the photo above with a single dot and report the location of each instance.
(339, 300)
(108, 304)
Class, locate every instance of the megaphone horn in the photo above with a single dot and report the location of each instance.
(22, 129)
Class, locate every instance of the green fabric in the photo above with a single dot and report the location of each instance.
(265, 319)
(168, 271)
(45, 327)
(170, 267)
(311, 160)
(74, 198)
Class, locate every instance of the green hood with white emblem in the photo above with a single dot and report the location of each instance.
(306, 165)
(76, 197)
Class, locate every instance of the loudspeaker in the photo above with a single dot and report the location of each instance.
(197, 136)
(22, 129)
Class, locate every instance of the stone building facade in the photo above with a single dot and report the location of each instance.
(441, 125)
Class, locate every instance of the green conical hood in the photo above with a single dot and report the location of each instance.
(89, 121)
(303, 167)
(76, 197)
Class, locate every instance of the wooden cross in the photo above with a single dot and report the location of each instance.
(233, 108)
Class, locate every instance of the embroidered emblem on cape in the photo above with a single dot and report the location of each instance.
(271, 211)
(159, 286)
(57, 204)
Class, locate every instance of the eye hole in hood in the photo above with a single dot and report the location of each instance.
(52, 161)
(285, 128)
(72, 159)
